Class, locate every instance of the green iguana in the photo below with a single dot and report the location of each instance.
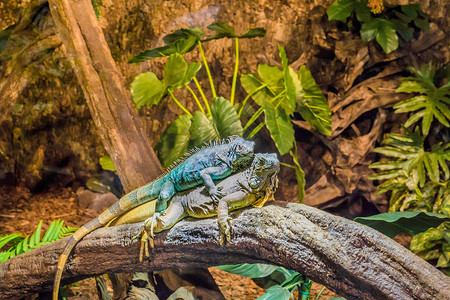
(199, 166)
(253, 186)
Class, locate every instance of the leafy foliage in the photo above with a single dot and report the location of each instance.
(417, 173)
(185, 40)
(22, 244)
(434, 244)
(277, 92)
(411, 222)
(385, 28)
(433, 102)
(279, 282)
(107, 163)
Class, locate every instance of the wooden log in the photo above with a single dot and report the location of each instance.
(351, 259)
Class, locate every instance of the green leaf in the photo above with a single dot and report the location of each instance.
(191, 72)
(268, 87)
(107, 163)
(13, 238)
(147, 89)
(369, 30)
(427, 240)
(175, 70)
(222, 30)
(386, 36)
(362, 11)
(411, 222)
(202, 130)
(226, 120)
(403, 29)
(422, 24)
(275, 292)
(410, 10)
(183, 34)
(292, 84)
(253, 32)
(249, 270)
(280, 127)
(341, 10)
(251, 83)
(384, 32)
(273, 77)
(181, 46)
(315, 110)
(174, 141)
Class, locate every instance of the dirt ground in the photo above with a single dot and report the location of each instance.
(21, 211)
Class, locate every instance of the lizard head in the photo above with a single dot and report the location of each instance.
(241, 152)
(263, 178)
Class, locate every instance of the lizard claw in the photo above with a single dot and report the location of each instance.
(225, 232)
(147, 236)
(215, 195)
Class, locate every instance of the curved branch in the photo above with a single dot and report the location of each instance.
(351, 259)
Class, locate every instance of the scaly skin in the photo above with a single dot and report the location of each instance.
(253, 186)
(203, 167)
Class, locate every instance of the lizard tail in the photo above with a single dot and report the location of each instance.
(126, 203)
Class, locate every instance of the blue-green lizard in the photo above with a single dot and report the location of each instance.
(201, 166)
(252, 186)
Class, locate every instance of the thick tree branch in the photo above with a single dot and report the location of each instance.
(353, 260)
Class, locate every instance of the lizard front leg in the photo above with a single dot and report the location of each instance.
(159, 222)
(237, 200)
(208, 174)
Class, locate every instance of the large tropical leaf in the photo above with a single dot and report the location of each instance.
(147, 89)
(280, 127)
(202, 130)
(175, 70)
(226, 120)
(276, 292)
(314, 108)
(269, 85)
(412, 222)
(249, 270)
(292, 85)
(174, 141)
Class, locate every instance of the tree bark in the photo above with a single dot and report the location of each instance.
(108, 99)
(105, 92)
(351, 259)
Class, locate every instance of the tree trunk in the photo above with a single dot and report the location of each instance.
(353, 260)
(104, 90)
(109, 101)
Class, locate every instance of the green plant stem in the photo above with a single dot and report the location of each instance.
(287, 165)
(179, 104)
(299, 174)
(213, 89)
(236, 67)
(203, 95)
(305, 290)
(248, 97)
(253, 118)
(196, 98)
(320, 293)
(255, 131)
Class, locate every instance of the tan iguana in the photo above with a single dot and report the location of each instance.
(252, 186)
(200, 166)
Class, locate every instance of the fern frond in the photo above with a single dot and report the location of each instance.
(432, 103)
(21, 244)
